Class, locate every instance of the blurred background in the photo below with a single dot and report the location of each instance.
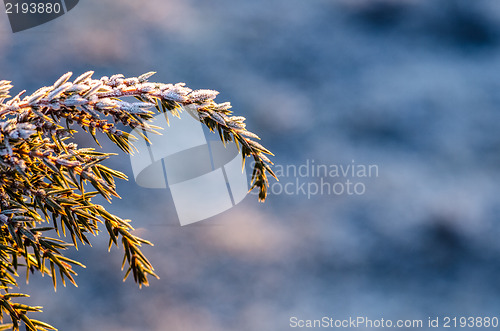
(408, 85)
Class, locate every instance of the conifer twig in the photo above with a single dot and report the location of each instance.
(47, 183)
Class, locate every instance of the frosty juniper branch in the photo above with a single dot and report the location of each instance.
(45, 179)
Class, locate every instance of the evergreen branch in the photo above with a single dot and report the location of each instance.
(47, 183)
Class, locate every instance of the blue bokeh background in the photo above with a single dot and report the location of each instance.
(409, 85)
